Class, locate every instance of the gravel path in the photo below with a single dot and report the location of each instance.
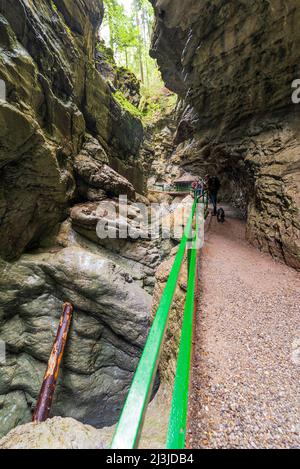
(246, 370)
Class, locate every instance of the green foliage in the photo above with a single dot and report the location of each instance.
(125, 104)
(106, 53)
(129, 32)
(53, 6)
(122, 31)
(156, 105)
(151, 109)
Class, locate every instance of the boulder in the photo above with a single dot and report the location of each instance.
(102, 224)
(56, 433)
(100, 176)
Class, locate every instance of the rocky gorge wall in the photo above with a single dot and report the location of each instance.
(55, 99)
(233, 63)
(157, 151)
(66, 147)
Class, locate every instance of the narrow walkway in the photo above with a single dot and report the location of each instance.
(245, 385)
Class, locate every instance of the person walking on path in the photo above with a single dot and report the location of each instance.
(198, 188)
(213, 190)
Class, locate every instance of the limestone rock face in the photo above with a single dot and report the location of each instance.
(93, 172)
(233, 64)
(54, 96)
(120, 77)
(157, 151)
(104, 225)
(107, 335)
(128, 83)
(65, 143)
(168, 362)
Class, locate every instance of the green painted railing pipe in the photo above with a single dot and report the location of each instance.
(130, 425)
(176, 437)
(179, 409)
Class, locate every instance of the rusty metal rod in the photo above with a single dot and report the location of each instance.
(44, 402)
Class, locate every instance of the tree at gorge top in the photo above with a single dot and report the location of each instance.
(127, 29)
(128, 25)
(143, 20)
(123, 34)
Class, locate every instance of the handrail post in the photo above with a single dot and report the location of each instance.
(189, 256)
(189, 250)
(191, 237)
(45, 399)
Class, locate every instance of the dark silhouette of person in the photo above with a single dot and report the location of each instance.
(213, 190)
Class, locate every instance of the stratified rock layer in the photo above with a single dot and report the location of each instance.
(233, 64)
(64, 141)
(54, 96)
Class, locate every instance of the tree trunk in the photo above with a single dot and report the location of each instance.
(144, 26)
(44, 402)
(140, 47)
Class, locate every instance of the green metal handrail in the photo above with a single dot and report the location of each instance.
(179, 408)
(178, 416)
(130, 425)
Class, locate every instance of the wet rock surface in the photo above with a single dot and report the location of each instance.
(233, 64)
(108, 331)
(123, 234)
(67, 433)
(95, 176)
